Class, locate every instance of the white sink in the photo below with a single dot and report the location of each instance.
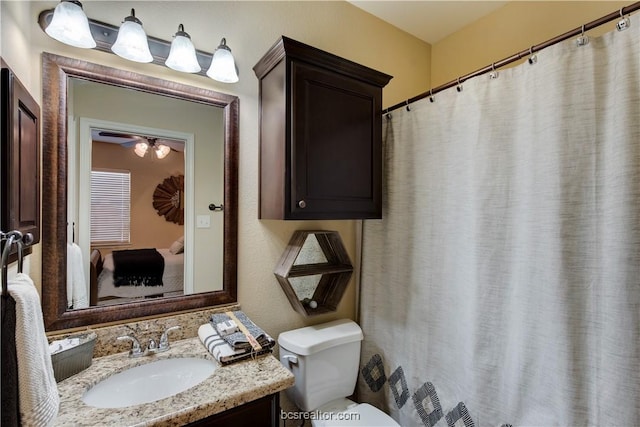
(148, 383)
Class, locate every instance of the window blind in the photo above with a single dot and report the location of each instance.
(110, 206)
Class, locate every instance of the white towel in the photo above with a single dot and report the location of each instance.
(38, 391)
(219, 348)
(76, 283)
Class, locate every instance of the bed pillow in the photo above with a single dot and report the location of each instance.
(177, 247)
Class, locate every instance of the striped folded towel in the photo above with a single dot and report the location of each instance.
(223, 351)
(238, 340)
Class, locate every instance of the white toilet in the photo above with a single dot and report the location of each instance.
(325, 359)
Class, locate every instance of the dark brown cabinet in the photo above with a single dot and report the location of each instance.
(263, 412)
(320, 135)
(19, 158)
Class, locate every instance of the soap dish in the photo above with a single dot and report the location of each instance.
(76, 359)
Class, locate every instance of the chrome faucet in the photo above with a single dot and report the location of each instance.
(136, 350)
(164, 339)
(152, 346)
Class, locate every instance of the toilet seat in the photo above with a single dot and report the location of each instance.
(348, 413)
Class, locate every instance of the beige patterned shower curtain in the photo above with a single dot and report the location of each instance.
(502, 285)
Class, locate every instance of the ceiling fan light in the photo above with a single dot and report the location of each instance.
(141, 149)
(70, 25)
(161, 150)
(223, 66)
(182, 56)
(132, 43)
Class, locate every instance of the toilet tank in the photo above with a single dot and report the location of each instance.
(324, 360)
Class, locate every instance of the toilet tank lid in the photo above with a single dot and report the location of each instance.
(313, 339)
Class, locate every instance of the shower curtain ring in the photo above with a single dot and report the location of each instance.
(532, 58)
(407, 105)
(623, 23)
(459, 87)
(582, 39)
(493, 74)
(431, 98)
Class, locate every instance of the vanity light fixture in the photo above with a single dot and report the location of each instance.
(132, 41)
(182, 56)
(70, 25)
(223, 66)
(220, 65)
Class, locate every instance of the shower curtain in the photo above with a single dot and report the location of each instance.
(502, 286)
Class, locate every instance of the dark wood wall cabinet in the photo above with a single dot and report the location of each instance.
(320, 135)
(19, 158)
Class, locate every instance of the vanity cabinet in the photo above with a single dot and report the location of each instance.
(320, 135)
(263, 412)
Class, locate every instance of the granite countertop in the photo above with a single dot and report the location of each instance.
(229, 386)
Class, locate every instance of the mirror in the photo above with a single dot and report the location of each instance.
(310, 253)
(142, 160)
(62, 75)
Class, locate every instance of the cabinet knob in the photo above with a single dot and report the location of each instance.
(302, 204)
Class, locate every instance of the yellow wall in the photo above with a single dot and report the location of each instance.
(513, 28)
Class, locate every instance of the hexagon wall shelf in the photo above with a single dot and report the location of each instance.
(314, 271)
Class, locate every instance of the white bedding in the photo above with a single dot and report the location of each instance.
(172, 278)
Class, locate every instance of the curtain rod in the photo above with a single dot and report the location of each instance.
(517, 56)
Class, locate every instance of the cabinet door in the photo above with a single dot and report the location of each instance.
(264, 412)
(20, 158)
(335, 145)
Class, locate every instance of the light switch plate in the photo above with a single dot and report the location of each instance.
(203, 221)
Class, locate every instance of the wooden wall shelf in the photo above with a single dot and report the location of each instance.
(314, 271)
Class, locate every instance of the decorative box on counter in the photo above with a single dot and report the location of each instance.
(70, 361)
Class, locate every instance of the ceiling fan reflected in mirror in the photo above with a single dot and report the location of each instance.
(142, 144)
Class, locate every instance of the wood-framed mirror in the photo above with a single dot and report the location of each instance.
(58, 73)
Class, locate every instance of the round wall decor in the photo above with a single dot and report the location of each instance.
(168, 199)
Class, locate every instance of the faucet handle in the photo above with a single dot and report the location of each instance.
(135, 351)
(164, 339)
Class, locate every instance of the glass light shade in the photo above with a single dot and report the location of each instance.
(182, 56)
(70, 25)
(132, 41)
(161, 150)
(141, 149)
(223, 66)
